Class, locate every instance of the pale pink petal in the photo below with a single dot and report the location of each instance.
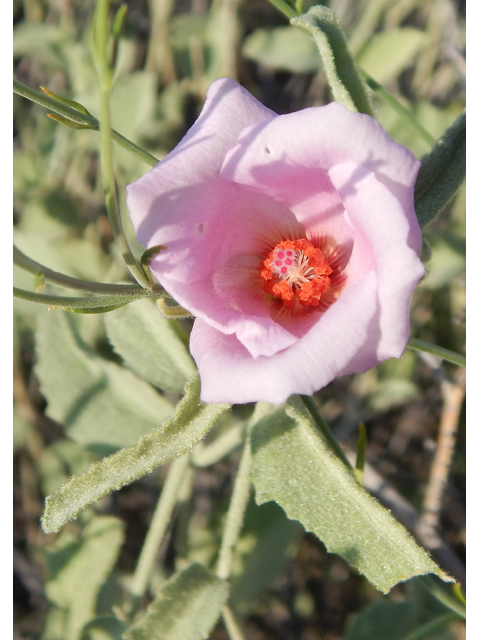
(229, 373)
(289, 157)
(380, 222)
(180, 201)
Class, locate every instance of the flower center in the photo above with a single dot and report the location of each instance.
(296, 269)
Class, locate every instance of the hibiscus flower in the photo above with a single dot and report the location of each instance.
(292, 239)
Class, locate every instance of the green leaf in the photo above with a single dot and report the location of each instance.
(149, 345)
(104, 628)
(442, 172)
(388, 53)
(78, 569)
(293, 466)
(262, 551)
(176, 435)
(386, 620)
(186, 607)
(282, 48)
(345, 82)
(102, 405)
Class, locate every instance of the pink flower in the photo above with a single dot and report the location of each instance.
(292, 239)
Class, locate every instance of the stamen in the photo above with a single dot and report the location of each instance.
(296, 270)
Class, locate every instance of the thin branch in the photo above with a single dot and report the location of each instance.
(62, 280)
(444, 354)
(89, 121)
(158, 527)
(453, 395)
(67, 302)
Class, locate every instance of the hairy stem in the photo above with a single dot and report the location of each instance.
(158, 526)
(62, 280)
(236, 512)
(232, 625)
(67, 302)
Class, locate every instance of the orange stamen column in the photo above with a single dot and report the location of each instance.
(296, 269)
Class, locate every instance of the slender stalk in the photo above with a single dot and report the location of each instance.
(62, 280)
(158, 527)
(453, 394)
(89, 121)
(232, 625)
(285, 8)
(204, 456)
(438, 592)
(427, 630)
(399, 108)
(104, 72)
(53, 105)
(67, 302)
(361, 447)
(445, 354)
(325, 430)
(236, 512)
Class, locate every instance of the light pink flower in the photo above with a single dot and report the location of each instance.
(273, 317)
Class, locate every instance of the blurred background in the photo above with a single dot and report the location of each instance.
(286, 587)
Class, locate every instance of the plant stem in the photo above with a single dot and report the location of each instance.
(325, 429)
(445, 354)
(104, 72)
(428, 630)
(236, 512)
(67, 302)
(232, 625)
(204, 456)
(285, 8)
(81, 118)
(158, 527)
(399, 108)
(62, 280)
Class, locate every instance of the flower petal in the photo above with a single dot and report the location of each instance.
(381, 223)
(177, 203)
(229, 373)
(289, 158)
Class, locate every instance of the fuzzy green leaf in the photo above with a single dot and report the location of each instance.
(293, 466)
(176, 435)
(150, 346)
(78, 569)
(102, 405)
(186, 607)
(442, 172)
(345, 82)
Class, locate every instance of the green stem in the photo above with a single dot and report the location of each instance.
(232, 625)
(62, 280)
(285, 8)
(438, 592)
(361, 448)
(236, 512)
(445, 354)
(81, 118)
(399, 108)
(68, 302)
(160, 522)
(427, 630)
(104, 72)
(204, 456)
(325, 429)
